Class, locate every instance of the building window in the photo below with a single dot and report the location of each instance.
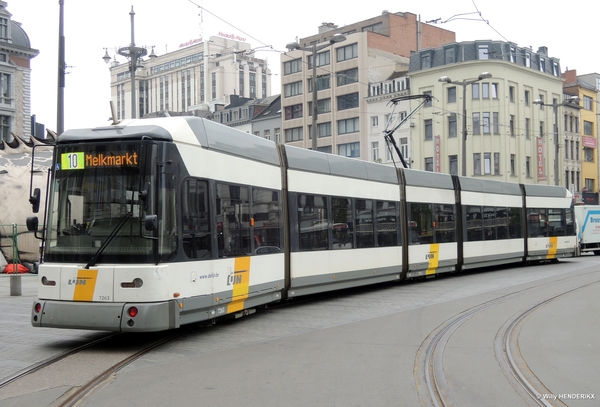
(527, 98)
(425, 61)
(452, 94)
(577, 150)
(325, 149)
(376, 28)
(528, 60)
(511, 125)
(323, 106)
(542, 102)
(347, 52)
(589, 184)
(403, 148)
(346, 77)
(486, 123)
(513, 54)
(452, 129)
(555, 69)
(348, 126)
(483, 51)
(528, 167)
(587, 103)
(348, 101)
(349, 150)
(511, 94)
(278, 135)
(267, 134)
(375, 150)
(323, 82)
(512, 165)
(541, 128)
(453, 164)
(487, 163)
(323, 130)
(429, 164)
(374, 121)
(428, 102)
(495, 123)
(485, 90)
(5, 88)
(496, 163)
(292, 89)
(449, 54)
(323, 58)
(293, 112)
(588, 154)
(294, 134)
(5, 128)
(477, 163)
(476, 124)
(527, 128)
(542, 64)
(428, 129)
(475, 91)
(588, 128)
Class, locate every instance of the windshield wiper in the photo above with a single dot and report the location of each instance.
(108, 239)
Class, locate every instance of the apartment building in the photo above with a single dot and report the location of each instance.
(588, 125)
(511, 113)
(371, 52)
(15, 78)
(196, 76)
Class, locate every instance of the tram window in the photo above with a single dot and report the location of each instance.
(196, 219)
(387, 223)
(444, 223)
(421, 223)
(266, 212)
(233, 226)
(342, 223)
(489, 223)
(515, 226)
(536, 222)
(474, 223)
(364, 223)
(501, 223)
(556, 222)
(313, 222)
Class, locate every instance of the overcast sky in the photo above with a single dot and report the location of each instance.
(569, 33)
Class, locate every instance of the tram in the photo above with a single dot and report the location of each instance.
(156, 223)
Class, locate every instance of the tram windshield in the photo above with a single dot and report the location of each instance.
(95, 188)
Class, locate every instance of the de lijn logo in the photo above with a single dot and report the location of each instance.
(235, 278)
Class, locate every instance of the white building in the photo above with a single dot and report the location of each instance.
(179, 82)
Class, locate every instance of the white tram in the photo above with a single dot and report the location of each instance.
(157, 223)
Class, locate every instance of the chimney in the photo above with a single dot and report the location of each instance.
(327, 27)
(543, 50)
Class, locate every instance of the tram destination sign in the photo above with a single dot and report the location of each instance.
(79, 160)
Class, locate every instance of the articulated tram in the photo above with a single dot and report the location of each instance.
(156, 223)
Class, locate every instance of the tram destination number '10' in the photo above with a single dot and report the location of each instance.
(72, 161)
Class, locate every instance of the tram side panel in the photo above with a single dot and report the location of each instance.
(344, 231)
(492, 223)
(431, 213)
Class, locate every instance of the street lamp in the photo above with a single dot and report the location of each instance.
(314, 49)
(464, 84)
(133, 54)
(568, 102)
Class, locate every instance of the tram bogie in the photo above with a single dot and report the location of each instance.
(158, 223)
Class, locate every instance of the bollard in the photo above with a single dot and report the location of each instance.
(15, 285)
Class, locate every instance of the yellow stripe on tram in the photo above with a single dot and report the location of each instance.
(241, 284)
(552, 247)
(433, 255)
(85, 285)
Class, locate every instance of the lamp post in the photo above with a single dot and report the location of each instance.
(573, 99)
(464, 83)
(314, 49)
(132, 53)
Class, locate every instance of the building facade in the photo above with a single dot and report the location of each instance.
(510, 122)
(195, 77)
(15, 78)
(588, 125)
(371, 52)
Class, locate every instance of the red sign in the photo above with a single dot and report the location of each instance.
(190, 42)
(232, 36)
(590, 142)
(540, 159)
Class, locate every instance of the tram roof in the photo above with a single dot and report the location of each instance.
(489, 186)
(315, 161)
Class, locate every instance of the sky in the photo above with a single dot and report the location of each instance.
(569, 31)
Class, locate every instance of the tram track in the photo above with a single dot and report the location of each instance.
(115, 351)
(430, 375)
